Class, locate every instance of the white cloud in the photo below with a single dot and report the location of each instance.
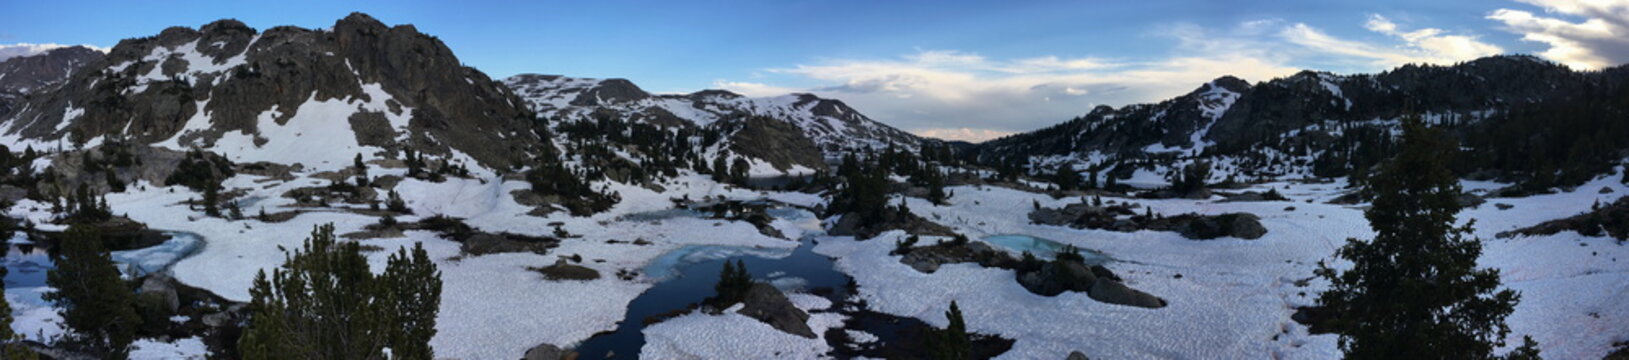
(1427, 45)
(752, 88)
(968, 96)
(1600, 39)
(27, 49)
(962, 134)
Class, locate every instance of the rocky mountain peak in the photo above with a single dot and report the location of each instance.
(26, 73)
(611, 91)
(266, 96)
(1228, 82)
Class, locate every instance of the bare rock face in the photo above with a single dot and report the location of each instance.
(386, 88)
(779, 143)
(25, 74)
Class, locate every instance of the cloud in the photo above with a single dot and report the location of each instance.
(1600, 39)
(27, 49)
(1427, 45)
(962, 134)
(968, 96)
(752, 88)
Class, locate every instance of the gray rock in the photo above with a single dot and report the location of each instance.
(1114, 292)
(549, 352)
(564, 271)
(164, 286)
(11, 194)
(927, 259)
(484, 243)
(1057, 277)
(1247, 226)
(767, 304)
(224, 317)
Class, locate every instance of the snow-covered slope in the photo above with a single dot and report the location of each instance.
(833, 126)
(287, 95)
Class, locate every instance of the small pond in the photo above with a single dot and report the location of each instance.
(27, 263)
(1019, 243)
(686, 276)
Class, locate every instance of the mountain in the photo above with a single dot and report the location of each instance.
(830, 126)
(1323, 124)
(24, 73)
(288, 95)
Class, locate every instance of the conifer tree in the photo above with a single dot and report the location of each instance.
(733, 283)
(325, 303)
(361, 171)
(1414, 291)
(936, 188)
(739, 171)
(416, 294)
(211, 198)
(94, 300)
(952, 343)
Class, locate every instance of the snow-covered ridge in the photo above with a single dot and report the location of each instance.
(833, 126)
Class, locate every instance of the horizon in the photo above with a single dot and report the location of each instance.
(904, 66)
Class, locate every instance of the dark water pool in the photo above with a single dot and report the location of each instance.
(26, 266)
(695, 270)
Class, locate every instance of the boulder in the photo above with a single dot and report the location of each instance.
(549, 352)
(11, 194)
(927, 259)
(1058, 276)
(163, 286)
(1247, 226)
(484, 243)
(1114, 292)
(767, 304)
(1076, 355)
(565, 271)
(1239, 225)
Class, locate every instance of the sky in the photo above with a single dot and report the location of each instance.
(965, 70)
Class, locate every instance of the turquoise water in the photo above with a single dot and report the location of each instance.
(1019, 243)
(143, 261)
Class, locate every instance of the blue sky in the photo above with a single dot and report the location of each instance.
(962, 69)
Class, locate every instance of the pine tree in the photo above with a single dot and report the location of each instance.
(211, 198)
(936, 188)
(395, 203)
(739, 171)
(952, 343)
(733, 283)
(1414, 292)
(325, 303)
(416, 287)
(361, 172)
(95, 301)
